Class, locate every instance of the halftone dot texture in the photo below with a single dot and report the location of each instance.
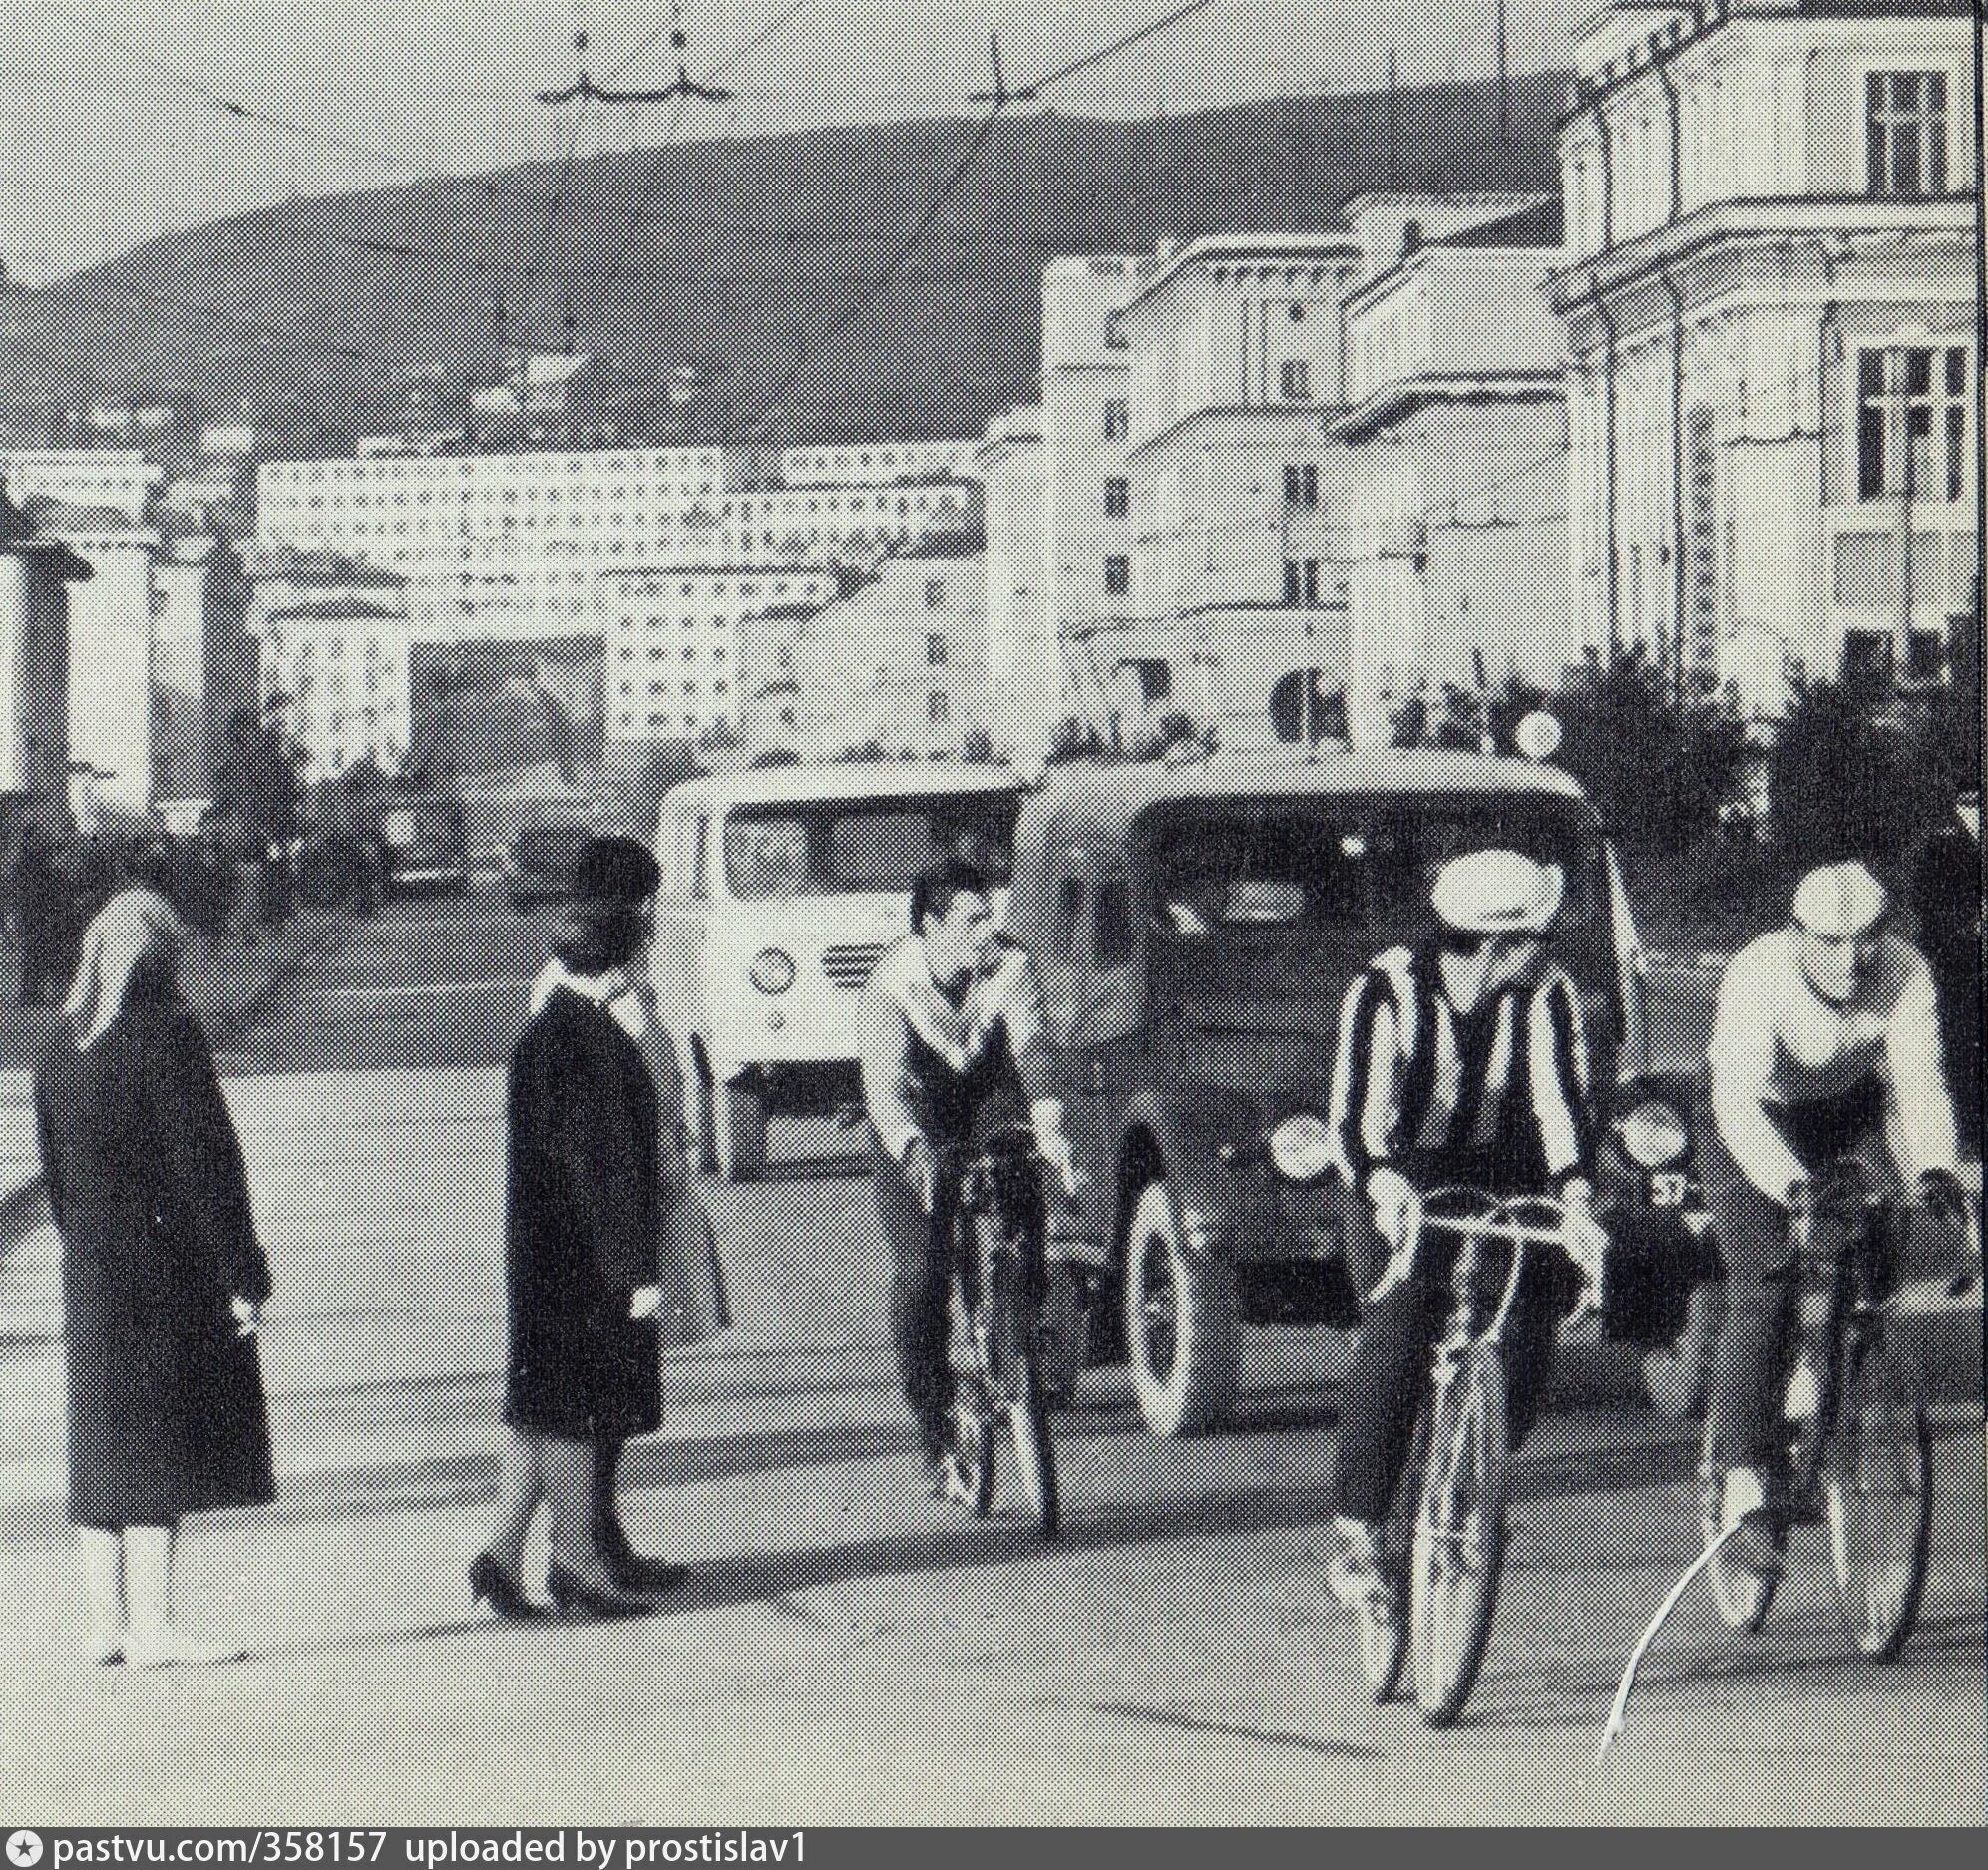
(845, 1646)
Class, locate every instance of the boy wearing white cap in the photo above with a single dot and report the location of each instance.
(1461, 1062)
(1825, 1042)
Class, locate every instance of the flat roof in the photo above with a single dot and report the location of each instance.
(1102, 801)
(843, 780)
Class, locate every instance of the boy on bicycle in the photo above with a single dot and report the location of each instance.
(1825, 1043)
(1463, 1061)
(953, 1040)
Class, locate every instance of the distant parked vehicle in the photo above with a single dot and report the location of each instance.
(427, 848)
(780, 889)
(539, 863)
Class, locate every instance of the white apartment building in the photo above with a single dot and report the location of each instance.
(1088, 543)
(678, 639)
(853, 522)
(1771, 297)
(899, 663)
(1238, 375)
(343, 660)
(1030, 689)
(870, 463)
(110, 480)
(1455, 515)
(584, 508)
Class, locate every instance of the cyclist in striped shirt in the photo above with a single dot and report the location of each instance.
(1459, 1062)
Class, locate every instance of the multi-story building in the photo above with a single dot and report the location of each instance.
(583, 509)
(681, 641)
(1237, 577)
(1769, 291)
(1456, 515)
(111, 614)
(899, 663)
(848, 523)
(1088, 591)
(1030, 685)
(869, 464)
(109, 480)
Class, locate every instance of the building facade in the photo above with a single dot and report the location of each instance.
(687, 649)
(1769, 291)
(1238, 481)
(899, 664)
(1456, 516)
(110, 480)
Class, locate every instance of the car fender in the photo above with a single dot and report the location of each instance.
(1206, 1141)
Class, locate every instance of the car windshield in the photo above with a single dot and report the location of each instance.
(1280, 900)
(865, 846)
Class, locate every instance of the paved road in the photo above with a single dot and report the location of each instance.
(847, 1650)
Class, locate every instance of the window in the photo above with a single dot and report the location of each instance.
(1117, 418)
(935, 593)
(1117, 496)
(936, 707)
(1114, 333)
(1301, 583)
(1294, 381)
(934, 652)
(1905, 131)
(1117, 574)
(1300, 487)
(1912, 438)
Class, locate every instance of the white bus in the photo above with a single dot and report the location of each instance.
(780, 889)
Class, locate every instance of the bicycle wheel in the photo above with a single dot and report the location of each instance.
(1877, 1494)
(1459, 1545)
(1741, 1593)
(1384, 1620)
(1017, 1378)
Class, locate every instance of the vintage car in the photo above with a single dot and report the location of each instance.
(1196, 928)
(781, 887)
(426, 845)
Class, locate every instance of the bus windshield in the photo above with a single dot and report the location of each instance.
(865, 846)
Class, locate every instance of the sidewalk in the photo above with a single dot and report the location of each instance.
(229, 986)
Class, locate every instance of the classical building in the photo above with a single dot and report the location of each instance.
(1238, 579)
(1769, 290)
(1455, 515)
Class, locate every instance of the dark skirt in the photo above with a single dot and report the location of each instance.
(605, 1382)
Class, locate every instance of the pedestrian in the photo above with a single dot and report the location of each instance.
(164, 1279)
(1946, 901)
(36, 902)
(587, 1201)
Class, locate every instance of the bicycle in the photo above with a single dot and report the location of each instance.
(1856, 1454)
(1450, 1549)
(998, 1285)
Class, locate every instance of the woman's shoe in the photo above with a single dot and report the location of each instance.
(491, 1584)
(173, 1648)
(573, 1596)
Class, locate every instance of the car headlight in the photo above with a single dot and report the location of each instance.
(1302, 1148)
(1653, 1134)
(772, 970)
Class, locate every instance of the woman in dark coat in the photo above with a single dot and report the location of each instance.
(164, 1278)
(585, 1198)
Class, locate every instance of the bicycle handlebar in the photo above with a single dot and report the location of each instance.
(1497, 1217)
